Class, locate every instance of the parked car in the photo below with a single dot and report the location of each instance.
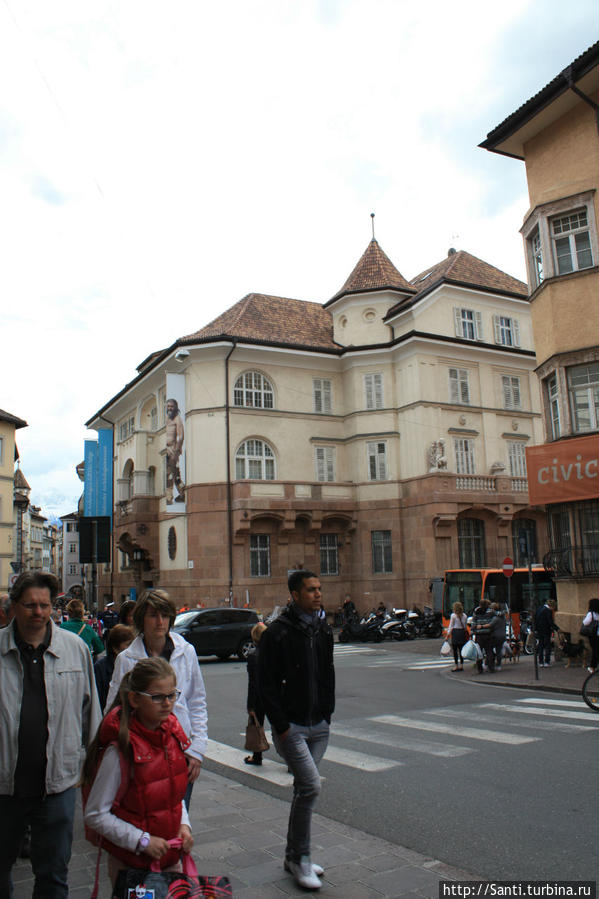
(218, 632)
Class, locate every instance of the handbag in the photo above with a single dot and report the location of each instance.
(255, 738)
(445, 649)
(589, 630)
(137, 883)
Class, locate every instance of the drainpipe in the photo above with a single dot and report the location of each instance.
(228, 451)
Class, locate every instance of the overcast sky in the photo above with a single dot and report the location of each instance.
(159, 161)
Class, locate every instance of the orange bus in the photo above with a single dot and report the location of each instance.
(528, 589)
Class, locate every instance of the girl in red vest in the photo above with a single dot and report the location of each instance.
(136, 773)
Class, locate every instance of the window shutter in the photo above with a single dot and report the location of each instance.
(368, 387)
(507, 393)
(454, 396)
(465, 385)
(457, 318)
(317, 394)
(378, 391)
(497, 328)
(516, 392)
(479, 325)
(515, 332)
(326, 396)
(330, 467)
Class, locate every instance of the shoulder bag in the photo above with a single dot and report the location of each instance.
(255, 738)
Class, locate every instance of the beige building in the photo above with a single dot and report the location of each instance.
(9, 424)
(378, 439)
(556, 134)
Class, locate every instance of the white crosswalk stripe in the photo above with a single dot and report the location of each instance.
(442, 750)
(570, 703)
(474, 733)
(348, 650)
(465, 715)
(551, 713)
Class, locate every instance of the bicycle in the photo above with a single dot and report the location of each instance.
(590, 691)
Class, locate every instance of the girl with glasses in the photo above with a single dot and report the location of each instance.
(135, 775)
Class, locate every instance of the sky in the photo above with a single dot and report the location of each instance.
(160, 161)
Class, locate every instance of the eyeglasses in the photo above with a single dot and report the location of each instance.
(159, 698)
(32, 606)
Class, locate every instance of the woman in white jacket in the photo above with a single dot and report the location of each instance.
(592, 619)
(153, 617)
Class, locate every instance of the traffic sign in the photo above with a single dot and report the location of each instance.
(12, 580)
(508, 566)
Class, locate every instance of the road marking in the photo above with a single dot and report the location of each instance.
(431, 663)
(443, 750)
(270, 770)
(563, 728)
(360, 760)
(349, 650)
(571, 703)
(551, 713)
(494, 736)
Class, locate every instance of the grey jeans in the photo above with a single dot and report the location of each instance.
(302, 749)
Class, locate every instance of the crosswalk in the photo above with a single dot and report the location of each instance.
(390, 741)
(377, 658)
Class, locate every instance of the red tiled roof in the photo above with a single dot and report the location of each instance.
(461, 267)
(21, 481)
(374, 271)
(268, 319)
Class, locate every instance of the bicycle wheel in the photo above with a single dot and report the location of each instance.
(530, 643)
(590, 691)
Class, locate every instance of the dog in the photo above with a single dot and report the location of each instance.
(573, 651)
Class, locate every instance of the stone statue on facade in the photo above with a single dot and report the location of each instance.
(437, 457)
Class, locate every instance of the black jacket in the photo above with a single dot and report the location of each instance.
(544, 621)
(296, 673)
(254, 700)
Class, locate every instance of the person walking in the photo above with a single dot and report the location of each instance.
(457, 634)
(592, 618)
(254, 702)
(50, 712)
(497, 634)
(154, 615)
(119, 638)
(142, 737)
(297, 684)
(481, 628)
(544, 628)
(76, 624)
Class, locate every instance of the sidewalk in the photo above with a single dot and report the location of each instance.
(521, 674)
(240, 832)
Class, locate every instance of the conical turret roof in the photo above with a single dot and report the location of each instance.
(374, 271)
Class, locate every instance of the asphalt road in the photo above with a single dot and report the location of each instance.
(492, 780)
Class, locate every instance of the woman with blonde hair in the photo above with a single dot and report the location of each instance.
(154, 616)
(457, 634)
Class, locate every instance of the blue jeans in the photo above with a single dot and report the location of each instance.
(51, 821)
(302, 749)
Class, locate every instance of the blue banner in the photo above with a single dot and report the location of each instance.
(105, 473)
(90, 490)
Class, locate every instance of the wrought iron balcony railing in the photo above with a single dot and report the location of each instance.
(573, 561)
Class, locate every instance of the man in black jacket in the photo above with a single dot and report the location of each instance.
(297, 685)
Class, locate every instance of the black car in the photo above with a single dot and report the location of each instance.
(218, 632)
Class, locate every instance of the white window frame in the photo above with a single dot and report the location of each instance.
(506, 330)
(382, 552)
(259, 555)
(324, 461)
(373, 390)
(459, 386)
(584, 395)
(376, 453)
(329, 555)
(126, 428)
(465, 460)
(73, 569)
(539, 234)
(512, 393)
(322, 395)
(253, 390)
(566, 229)
(552, 388)
(468, 323)
(255, 461)
(516, 451)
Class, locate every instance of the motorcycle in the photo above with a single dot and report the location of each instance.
(368, 630)
(398, 625)
(428, 623)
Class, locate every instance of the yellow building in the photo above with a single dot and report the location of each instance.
(378, 439)
(556, 133)
(9, 424)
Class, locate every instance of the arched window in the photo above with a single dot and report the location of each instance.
(471, 542)
(127, 480)
(255, 459)
(524, 539)
(253, 390)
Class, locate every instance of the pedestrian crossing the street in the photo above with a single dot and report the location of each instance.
(383, 742)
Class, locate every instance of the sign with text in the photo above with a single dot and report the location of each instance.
(97, 494)
(564, 471)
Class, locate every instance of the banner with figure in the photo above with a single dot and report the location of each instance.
(175, 443)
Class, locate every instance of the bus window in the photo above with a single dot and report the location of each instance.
(464, 587)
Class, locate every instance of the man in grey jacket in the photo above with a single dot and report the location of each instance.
(49, 712)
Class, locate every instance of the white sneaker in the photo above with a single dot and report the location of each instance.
(303, 873)
(318, 870)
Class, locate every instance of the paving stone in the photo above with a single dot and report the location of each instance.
(351, 873)
(380, 862)
(408, 877)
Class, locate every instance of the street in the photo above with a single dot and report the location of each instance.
(490, 779)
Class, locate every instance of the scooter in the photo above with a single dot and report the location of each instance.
(429, 624)
(365, 631)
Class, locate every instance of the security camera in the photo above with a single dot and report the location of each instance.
(182, 355)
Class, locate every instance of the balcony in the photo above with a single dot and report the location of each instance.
(573, 561)
(490, 484)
